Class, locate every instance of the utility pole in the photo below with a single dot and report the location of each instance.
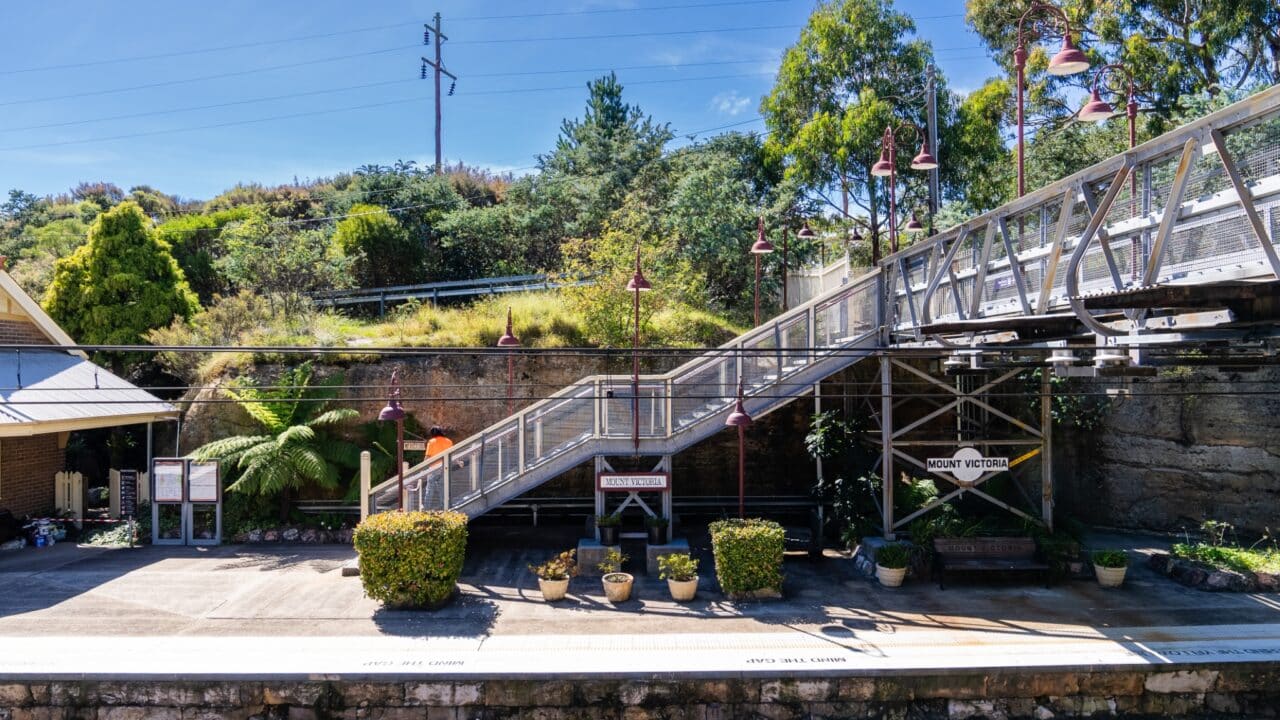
(934, 191)
(438, 66)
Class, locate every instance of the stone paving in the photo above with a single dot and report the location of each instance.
(172, 607)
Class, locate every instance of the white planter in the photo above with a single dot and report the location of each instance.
(615, 589)
(683, 590)
(1109, 577)
(553, 590)
(890, 577)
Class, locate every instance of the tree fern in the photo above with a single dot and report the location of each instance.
(294, 451)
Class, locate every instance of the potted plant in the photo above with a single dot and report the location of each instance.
(554, 574)
(1110, 566)
(680, 571)
(891, 564)
(617, 584)
(657, 527)
(608, 526)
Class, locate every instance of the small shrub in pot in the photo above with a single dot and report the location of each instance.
(617, 584)
(554, 575)
(1109, 566)
(657, 527)
(608, 525)
(748, 556)
(891, 564)
(680, 570)
(411, 559)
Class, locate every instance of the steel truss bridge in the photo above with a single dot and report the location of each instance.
(1171, 243)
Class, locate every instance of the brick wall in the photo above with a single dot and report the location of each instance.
(21, 332)
(27, 467)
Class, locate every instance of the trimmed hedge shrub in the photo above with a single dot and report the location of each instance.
(411, 559)
(748, 554)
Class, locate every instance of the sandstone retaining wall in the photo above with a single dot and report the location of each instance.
(1225, 690)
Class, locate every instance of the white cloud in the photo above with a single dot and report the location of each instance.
(730, 103)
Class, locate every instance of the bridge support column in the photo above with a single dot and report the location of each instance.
(1046, 449)
(886, 445)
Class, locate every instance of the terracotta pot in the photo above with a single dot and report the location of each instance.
(683, 590)
(617, 586)
(553, 590)
(890, 577)
(1109, 577)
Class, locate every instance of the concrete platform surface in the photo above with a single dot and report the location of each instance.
(236, 611)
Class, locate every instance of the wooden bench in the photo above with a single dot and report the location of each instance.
(987, 554)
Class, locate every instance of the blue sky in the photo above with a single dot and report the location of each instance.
(94, 91)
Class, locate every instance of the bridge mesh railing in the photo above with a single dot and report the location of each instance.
(1210, 235)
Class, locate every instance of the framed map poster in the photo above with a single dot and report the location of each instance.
(168, 474)
(203, 485)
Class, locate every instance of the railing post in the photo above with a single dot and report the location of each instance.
(520, 439)
(446, 480)
(811, 335)
(670, 385)
(366, 482)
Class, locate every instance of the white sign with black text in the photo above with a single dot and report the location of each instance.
(967, 465)
(633, 481)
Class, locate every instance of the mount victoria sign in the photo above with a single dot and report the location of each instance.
(967, 465)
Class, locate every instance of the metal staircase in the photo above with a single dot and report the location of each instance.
(777, 362)
(1193, 209)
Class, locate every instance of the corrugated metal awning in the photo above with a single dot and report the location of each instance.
(44, 391)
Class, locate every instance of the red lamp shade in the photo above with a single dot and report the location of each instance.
(508, 338)
(638, 282)
(924, 160)
(913, 225)
(882, 168)
(392, 411)
(761, 246)
(805, 232)
(1069, 60)
(1097, 109)
(739, 416)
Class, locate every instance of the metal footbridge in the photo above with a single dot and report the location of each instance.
(1169, 242)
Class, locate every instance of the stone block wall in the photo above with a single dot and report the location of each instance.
(27, 467)
(1226, 690)
(1186, 446)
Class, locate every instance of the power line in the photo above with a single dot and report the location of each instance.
(202, 78)
(326, 111)
(620, 36)
(370, 28)
(363, 86)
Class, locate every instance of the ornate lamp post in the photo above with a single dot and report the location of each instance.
(740, 419)
(1098, 110)
(509, 340)
(758, 248)
(1069, 61)
(804, 234)
(394, 412)
(887, 166)
(636, 284)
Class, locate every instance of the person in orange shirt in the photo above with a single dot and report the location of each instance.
(437, 443)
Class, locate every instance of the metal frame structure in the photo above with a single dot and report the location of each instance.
(1039, 270)
(975, 418)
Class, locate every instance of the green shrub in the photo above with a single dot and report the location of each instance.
(1231, 558)
(608, 520)
(656, 521)
(677, 566)
(893, 556)
(1110, 558)
(411, 559)
(748, 554)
